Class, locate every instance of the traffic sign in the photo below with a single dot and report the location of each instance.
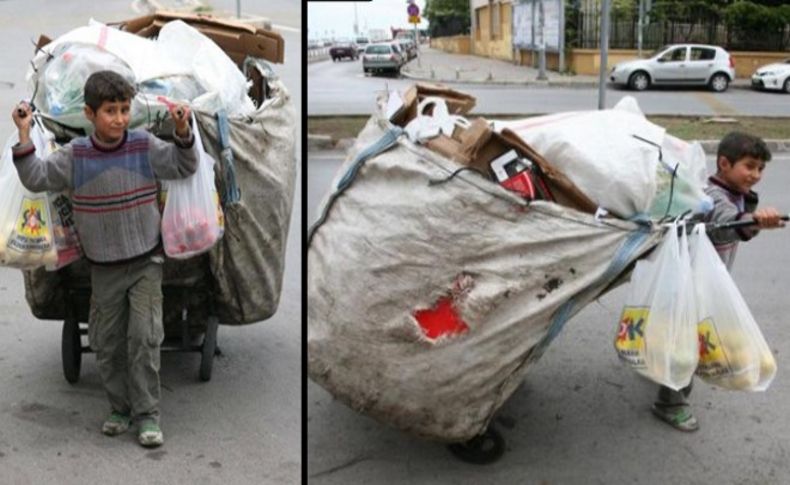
(414, 19)
(413, 10)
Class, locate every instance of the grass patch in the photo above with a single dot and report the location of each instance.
(684, 127)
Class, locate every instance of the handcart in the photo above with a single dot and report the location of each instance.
(418, 228)
(189, 320)
(209, 289)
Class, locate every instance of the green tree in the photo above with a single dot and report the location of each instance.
(447, 17)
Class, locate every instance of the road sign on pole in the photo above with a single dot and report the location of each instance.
(414, 13)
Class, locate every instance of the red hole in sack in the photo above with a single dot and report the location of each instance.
(440, 320)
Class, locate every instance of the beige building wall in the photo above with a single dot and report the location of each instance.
(492, 29)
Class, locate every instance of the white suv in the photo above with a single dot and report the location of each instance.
(679, 65)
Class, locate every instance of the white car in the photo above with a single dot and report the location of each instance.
(678, 65)
(773, 76)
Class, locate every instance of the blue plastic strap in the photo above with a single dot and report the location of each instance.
(232, 193)
(387, 141)
(622, 258)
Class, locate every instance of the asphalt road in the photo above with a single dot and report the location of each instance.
(242, 427)
(581, 417)
(341, 88)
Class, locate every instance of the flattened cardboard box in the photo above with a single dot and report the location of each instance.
(237, 39)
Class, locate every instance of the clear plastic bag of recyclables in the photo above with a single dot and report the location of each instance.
(393, 250)
(192, 220)
(657, 331)
(733, 351)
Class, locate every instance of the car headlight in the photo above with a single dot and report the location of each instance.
(766, 73)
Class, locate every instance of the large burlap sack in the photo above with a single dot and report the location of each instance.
(248, 263)
(393, 246)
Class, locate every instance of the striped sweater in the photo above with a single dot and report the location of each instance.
(113, 188)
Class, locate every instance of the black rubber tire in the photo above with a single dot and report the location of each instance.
(786, 86)
(208, 349)
(715, 86)
(634, 81)
(481, 450)
(71, 350)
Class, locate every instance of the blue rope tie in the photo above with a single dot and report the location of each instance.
(387, 141)
(232, 193)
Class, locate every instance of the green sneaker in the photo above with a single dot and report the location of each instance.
(678, 416)
(149, 434)
(117, 423)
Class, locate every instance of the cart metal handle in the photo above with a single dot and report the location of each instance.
(737, 224)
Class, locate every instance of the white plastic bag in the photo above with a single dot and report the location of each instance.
(657, 331)
(192, 220)
(26, 235)
(733, 351)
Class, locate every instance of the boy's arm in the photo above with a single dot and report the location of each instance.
(725, 211)
(52, 173)
(173, 160)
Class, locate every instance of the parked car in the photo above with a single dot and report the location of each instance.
(362, 42)
(773, 76)
(679, 65)
(344, 49)
(408, 47)
(382, 57)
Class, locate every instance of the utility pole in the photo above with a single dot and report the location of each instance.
(238, 9)
(542, 45)
(641, 26)
(604, 54)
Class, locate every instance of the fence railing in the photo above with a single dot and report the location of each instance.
(584, 29)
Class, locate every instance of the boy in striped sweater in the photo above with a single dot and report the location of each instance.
(112, 178)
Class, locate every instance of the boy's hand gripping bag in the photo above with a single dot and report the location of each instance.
(656, 333)
(32, 234)
(733, 353)
(192, 220)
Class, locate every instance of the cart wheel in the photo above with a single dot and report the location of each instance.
(71, 350)
(208, 349)
(480, 450)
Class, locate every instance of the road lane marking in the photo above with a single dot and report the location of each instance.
(714, 103)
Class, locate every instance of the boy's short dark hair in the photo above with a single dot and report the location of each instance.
(104, 86)
(737, 144)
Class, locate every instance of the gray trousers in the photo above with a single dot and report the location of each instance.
(126, 332)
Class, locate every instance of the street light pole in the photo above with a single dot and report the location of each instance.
(604, 54)
(641, 26)
(238, 9)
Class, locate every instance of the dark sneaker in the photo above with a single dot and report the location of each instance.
(676, 415)
(149, 434)
(115, 424)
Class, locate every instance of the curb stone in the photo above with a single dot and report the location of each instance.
(550, 83)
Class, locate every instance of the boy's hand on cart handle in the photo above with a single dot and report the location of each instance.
(768, 218)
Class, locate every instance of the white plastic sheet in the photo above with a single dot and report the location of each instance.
(613, 156)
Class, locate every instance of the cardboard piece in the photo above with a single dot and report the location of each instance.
(458, 103)
(237, 39)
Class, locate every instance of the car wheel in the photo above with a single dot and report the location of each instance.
(719, 82)
(639, 81)
(786, 85)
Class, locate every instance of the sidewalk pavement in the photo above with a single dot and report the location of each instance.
(439, 66)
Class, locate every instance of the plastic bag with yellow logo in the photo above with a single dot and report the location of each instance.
(733, 353)
(26, 234)
(656, 333)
